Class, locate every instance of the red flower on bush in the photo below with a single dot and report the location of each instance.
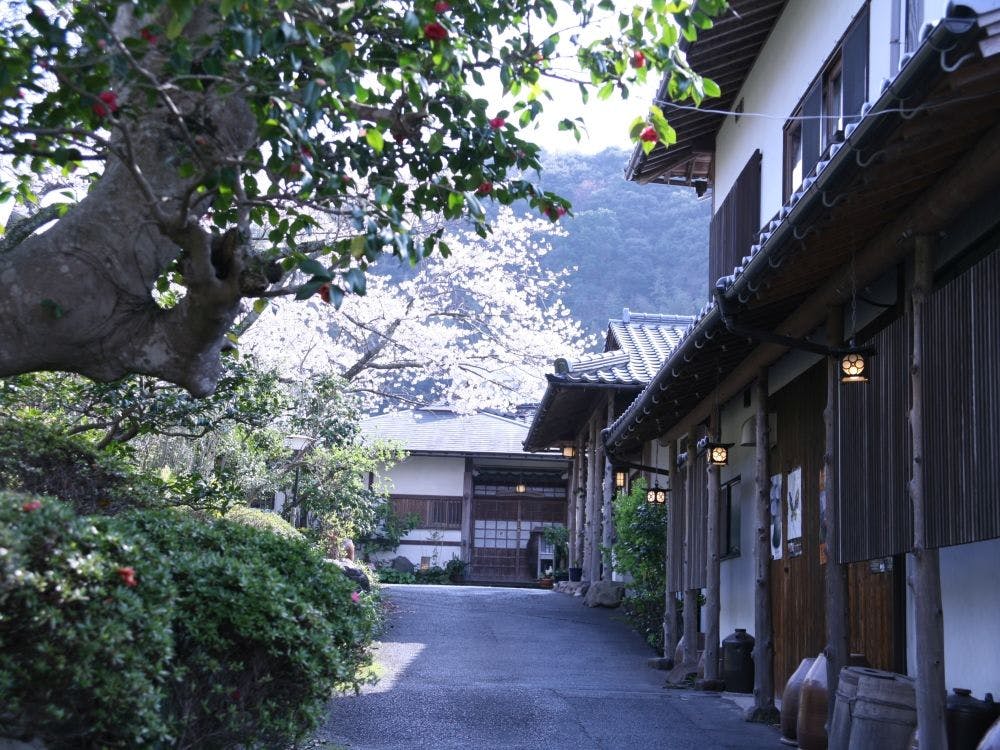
(485, 188)
(106, 104)
(31, 505)
(324, 293)
(355, 597)
(497, 122)
(436, 31)
(441, 6)
(649, 134)
(148, 35)
(127, 576)
(638, 60)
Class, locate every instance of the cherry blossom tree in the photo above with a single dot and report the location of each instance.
(477, 329)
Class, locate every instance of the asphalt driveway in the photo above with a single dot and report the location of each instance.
(482, 668)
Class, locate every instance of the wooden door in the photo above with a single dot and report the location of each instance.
(501, 528)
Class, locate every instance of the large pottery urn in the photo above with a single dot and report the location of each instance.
(790, 702)
(968, 719)
(811, 725)
(737, 662)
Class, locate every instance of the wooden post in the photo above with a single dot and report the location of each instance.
(571, 503)
(838, 629)
(588, 488)
(670, 635)
(593, 514)
(925, 578)
(691, 624)
(467, 538)
(711, 679)
(607, 518)
(763, 709)
(579, 466)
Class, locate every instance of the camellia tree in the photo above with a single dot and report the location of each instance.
(202, 127)
(476, 330)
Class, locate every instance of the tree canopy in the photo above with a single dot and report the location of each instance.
(242, 150)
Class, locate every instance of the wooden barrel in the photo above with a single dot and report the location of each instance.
(884, 713)
(811, 726)
(790, 702)
(843, 709)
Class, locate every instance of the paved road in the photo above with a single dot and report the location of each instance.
(483, 668)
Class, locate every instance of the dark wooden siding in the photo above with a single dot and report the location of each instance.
(873, 615)
(797, 589)
(962, 407)
(433, 512)
(696, 524)
(874, 455)
(735, 223)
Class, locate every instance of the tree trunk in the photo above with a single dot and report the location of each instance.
(763, 709)
(670, 635)
(607, 516)
(593, 501)
(711, 679)
(925, 579)
(579, 467)
(837, 623)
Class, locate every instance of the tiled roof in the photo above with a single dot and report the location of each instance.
(635, 348)
(441, 430)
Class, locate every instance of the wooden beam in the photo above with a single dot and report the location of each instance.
(608, 489)
(925, 578)
(838, 629)
(763, 710)
(588, 503)
(670, 634)
(973, 175)
(579, 469)
(467, 492)
(571, 503)
(711, 679)
(593, 505)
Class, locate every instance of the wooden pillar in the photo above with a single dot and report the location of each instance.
(763, 709)
(838, 627)
(571, 501)
(579, 467)
(670, 634)
(608, 489)
(711, 679)
(593, 542)
(691, 625)
(467, 537)
(925, 577)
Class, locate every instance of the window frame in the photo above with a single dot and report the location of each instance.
(729, 498)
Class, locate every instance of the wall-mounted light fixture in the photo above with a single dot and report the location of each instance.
(568, 451)
(621, 479)
(520, 488)
(718, 453)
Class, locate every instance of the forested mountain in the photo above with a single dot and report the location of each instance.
(644, 247)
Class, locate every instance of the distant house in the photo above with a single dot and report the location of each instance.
(586, 394)
(478, 494)
(864, 218)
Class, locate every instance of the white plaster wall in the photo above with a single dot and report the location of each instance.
(736, 574)
(971, 599)
(413, 552)
(804, 36)
(429, 475)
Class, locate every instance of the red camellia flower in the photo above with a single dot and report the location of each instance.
(649, 134)
(497, 122)
(295, 169)
(355, 597)
(441, 6)
(638, 60)
(127, 575)
(148, 35)
(106, 104)
(434, 30)
(484, 188)
(31, 505)
(324, 293)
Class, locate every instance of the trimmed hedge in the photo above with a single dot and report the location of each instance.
(157, 628)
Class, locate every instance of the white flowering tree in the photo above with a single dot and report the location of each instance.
(477, 329)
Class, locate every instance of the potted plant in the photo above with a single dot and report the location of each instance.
(546, 581)
(558, 537)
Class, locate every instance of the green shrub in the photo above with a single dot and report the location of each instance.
(433, 574)
(455, 568)
(261, 519)
(391, 575)
(230, 635)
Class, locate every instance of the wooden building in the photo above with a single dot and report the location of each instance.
(867, 223)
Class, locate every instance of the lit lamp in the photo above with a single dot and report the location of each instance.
(520, 488)
(621, 478)
(852, 368)
(568, 451)
(718, 453)
(656, 495)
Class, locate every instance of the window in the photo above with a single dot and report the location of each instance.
(729, 528)
(832, 101)
(431, 512)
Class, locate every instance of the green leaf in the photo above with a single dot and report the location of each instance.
(315, 269)
(260, 306)
(310, 288)
(711, 87)
(375, 139)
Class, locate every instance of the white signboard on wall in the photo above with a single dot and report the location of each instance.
(776, 541)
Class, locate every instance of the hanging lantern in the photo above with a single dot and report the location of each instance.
(520, 488)
(656, 495)
(853, 367)
(568, 451)
(621, 479)
(718, 453)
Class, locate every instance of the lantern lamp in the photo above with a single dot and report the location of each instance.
(852, 368)
(718, 454)
(568, 451)
(520, 488)
(656, 495)
(621, 479)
